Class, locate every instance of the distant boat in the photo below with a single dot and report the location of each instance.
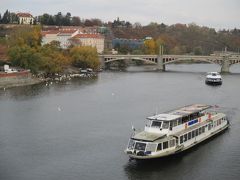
(175, 131)
(213, 78)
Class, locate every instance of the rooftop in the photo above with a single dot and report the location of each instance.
(181, 112)
(24, 15)
(88, 36)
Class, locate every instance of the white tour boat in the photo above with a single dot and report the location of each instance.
(175, 131)
(213, 78)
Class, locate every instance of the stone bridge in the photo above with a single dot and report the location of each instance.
(225, 60)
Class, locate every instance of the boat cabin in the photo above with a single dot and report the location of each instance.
(174, 121)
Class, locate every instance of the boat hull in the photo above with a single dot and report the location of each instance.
(213, 82)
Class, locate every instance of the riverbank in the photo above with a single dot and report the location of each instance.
(13, 80)
(8, 80)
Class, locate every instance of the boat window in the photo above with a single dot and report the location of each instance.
(194, 116)
(140, 146)
(172, 143)
(179, 121)
(175, 123)
(185, 119)
(189, 135)
(209, 126)
(200, 130)
(196, 131)
(165, 125)
(181, 139)
(151, 147)
(193, 133)
(165, 145)
(159, 147)
(203, 129)
(131, 144)
(185, 137)
(148, 123)
(171, 125)
(157, 124)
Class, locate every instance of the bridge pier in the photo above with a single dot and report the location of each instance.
(225, 65)
(102, 62)
(160, 65)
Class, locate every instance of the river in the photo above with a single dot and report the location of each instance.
(77, 130)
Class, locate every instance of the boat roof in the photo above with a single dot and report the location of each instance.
(213, 73)
(147, 136)
(178, 113)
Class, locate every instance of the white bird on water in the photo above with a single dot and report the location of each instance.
(59, 108)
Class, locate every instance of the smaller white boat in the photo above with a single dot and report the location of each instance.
(213, 78)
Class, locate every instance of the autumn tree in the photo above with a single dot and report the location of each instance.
(150, 46)
(53, 58)
(85, 57)
(25, 57)
(29, 36)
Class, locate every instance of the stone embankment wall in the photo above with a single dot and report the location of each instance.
(17, 79)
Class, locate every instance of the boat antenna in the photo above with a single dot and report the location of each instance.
(156, 112)
(133, 128)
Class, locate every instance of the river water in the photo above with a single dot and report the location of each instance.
(77, 130)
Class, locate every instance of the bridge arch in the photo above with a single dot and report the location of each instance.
(150, 60)
(173, 60)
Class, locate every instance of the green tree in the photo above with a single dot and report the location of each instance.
(25, 57)
(53, 58)
(85, 57)
(198, 50)
(30, 36)
(6, 17)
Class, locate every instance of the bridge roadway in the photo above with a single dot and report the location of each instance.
(225, 60)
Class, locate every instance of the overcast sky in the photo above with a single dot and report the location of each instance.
(218, 14)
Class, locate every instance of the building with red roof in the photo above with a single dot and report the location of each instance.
(25, 18)
(94, 40)
(75, 37)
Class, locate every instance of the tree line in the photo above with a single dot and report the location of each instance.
(9, 18)
(179, 38)
(25, 51)
(58, 19)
